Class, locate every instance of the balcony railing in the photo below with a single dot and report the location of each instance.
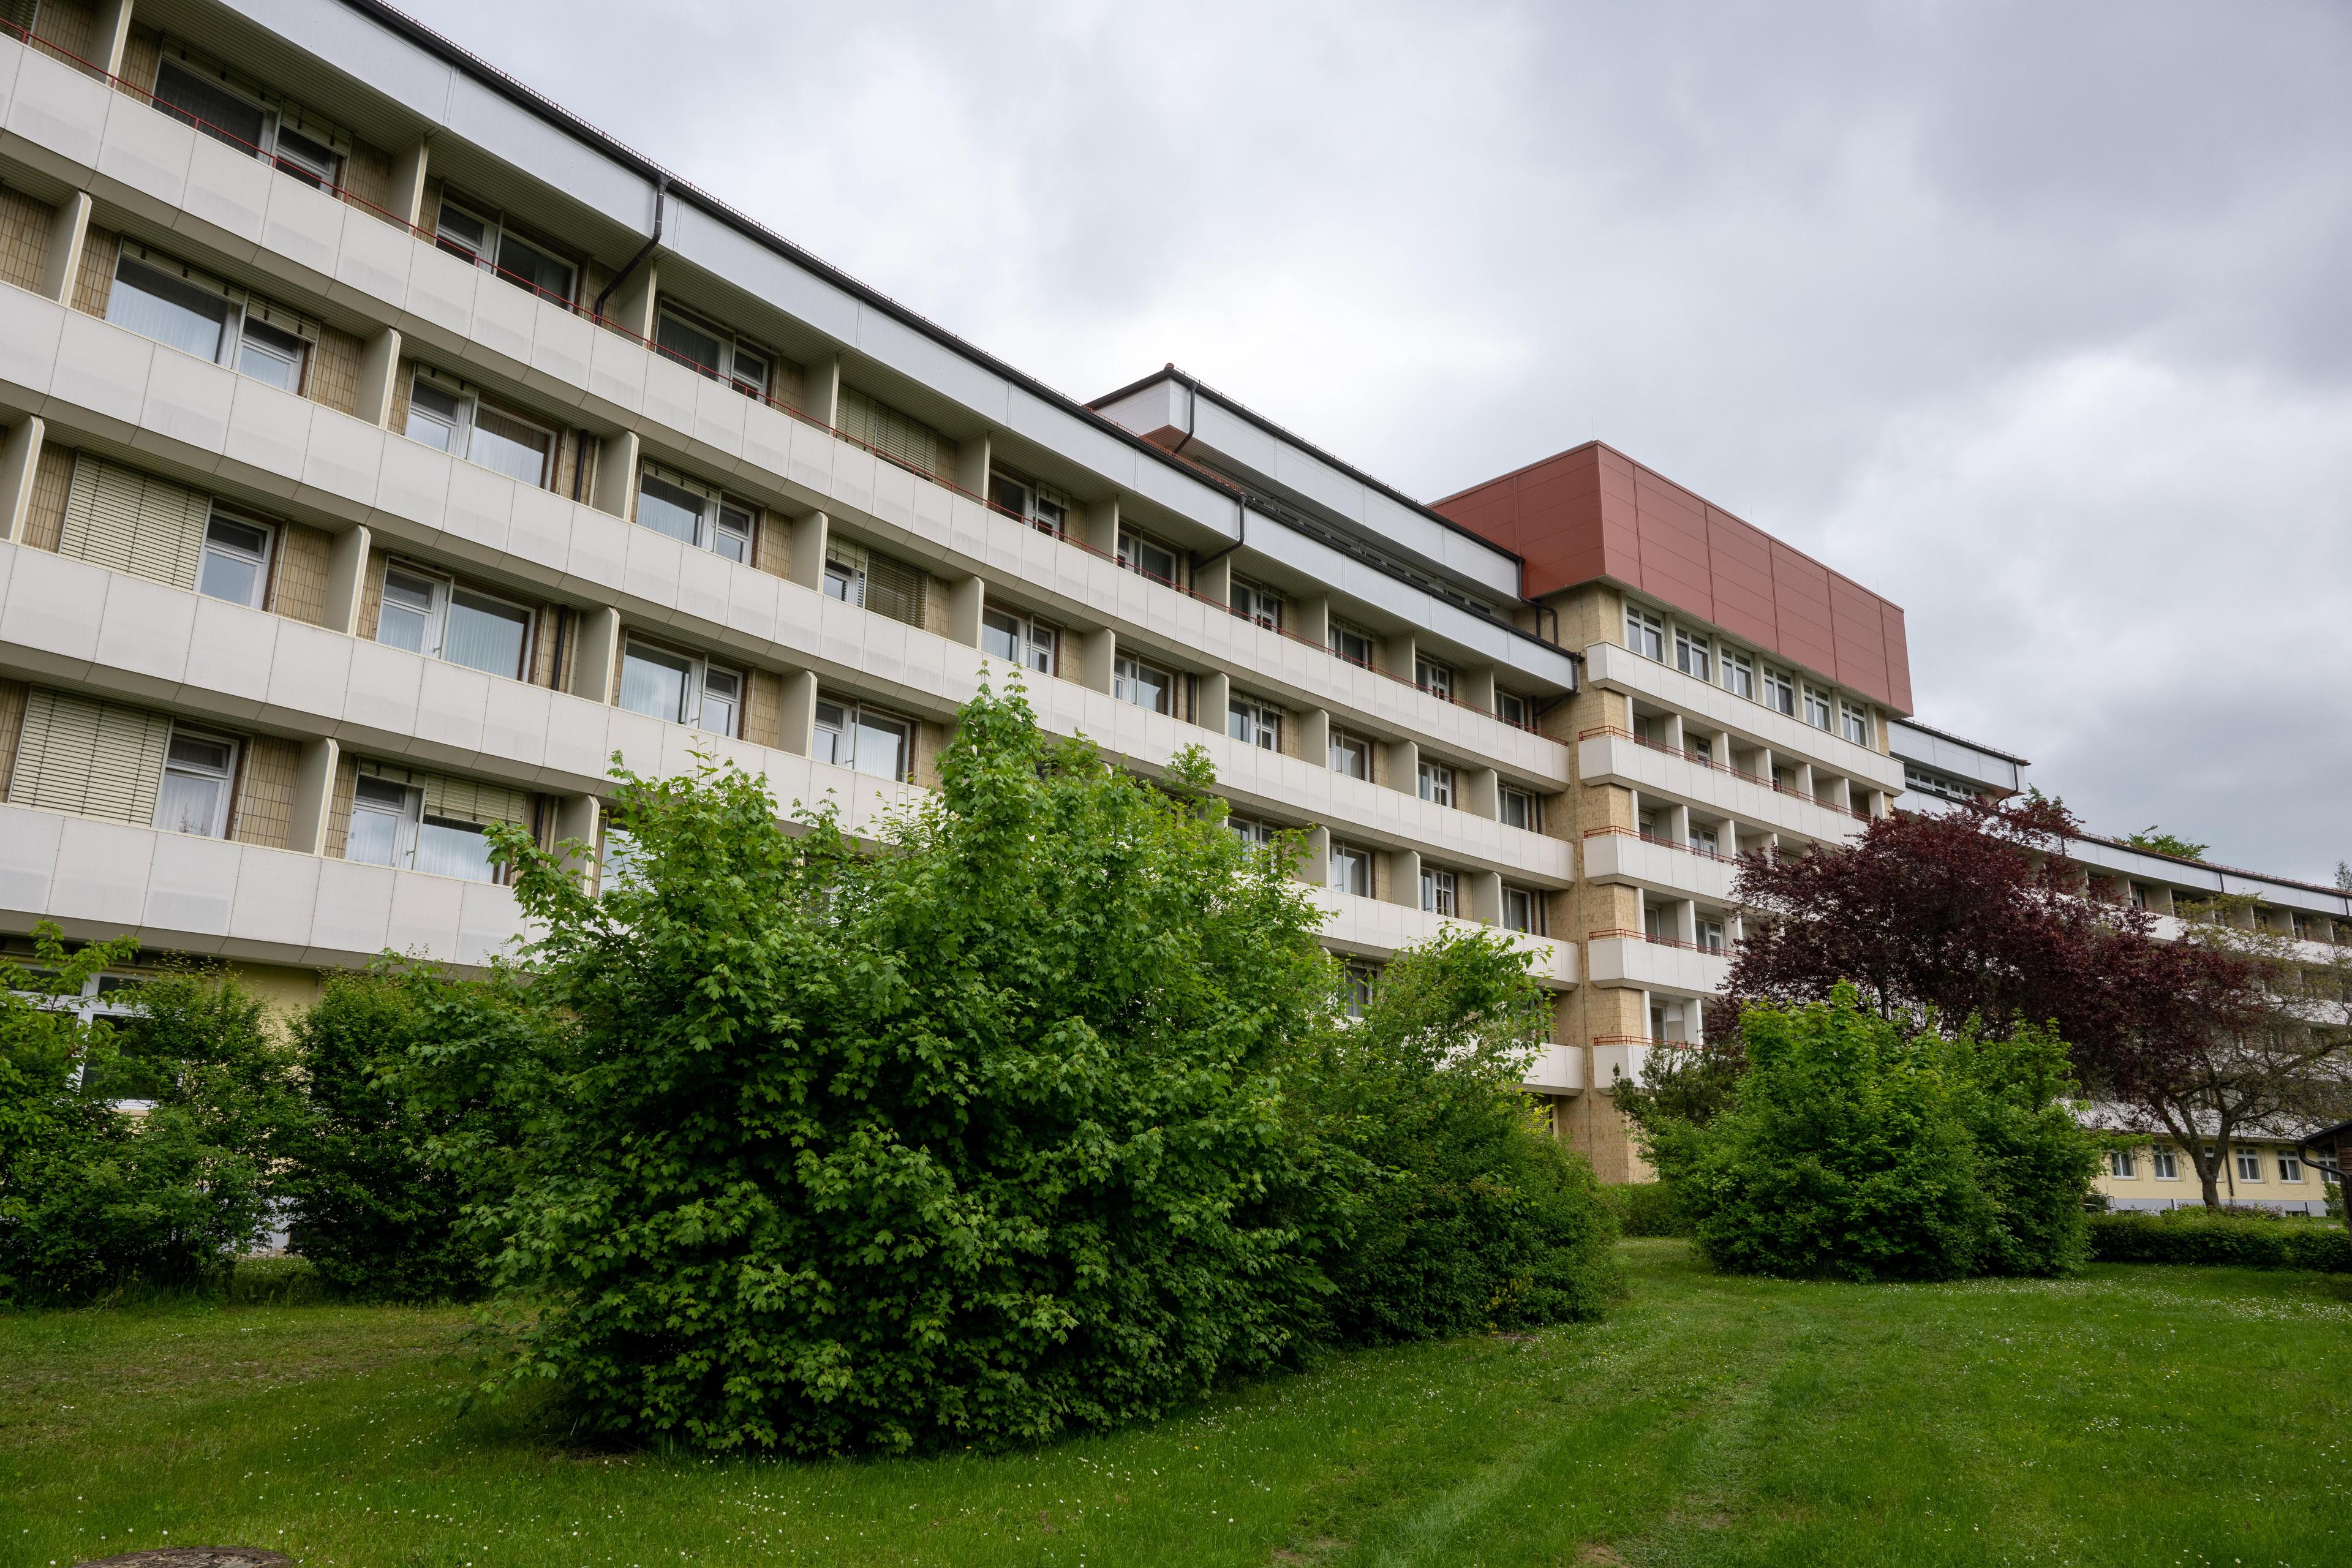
(434, 238)
(1700, 759)
(1646, 836)
(1719, 949)
(1653, 1040)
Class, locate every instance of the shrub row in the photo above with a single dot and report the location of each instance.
(2233, 1241)
(1646, 1208)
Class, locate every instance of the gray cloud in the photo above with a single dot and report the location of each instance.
(2032, 318)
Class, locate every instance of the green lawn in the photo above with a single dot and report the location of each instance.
(2140, 1416)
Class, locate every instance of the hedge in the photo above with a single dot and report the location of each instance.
(2230, 1241)
(1645, 1209)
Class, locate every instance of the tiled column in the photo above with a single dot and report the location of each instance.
(314, 795)
(379, 371)
(66, 235)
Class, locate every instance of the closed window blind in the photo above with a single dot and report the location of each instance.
(129, 521)
(894, 589)
(887, 431)
(91, 758)
(464, 800)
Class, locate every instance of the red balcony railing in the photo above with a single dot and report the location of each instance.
(1700, 759)
(1622, 935)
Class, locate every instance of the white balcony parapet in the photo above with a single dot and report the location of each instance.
(1369, 926)
(1621, 670)
(1559, 1070)
(1624, 958)
(1623, 856)
(1620, 759)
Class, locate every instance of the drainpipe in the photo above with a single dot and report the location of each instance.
(661, 193)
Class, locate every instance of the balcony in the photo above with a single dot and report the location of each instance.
(1369, 926)
(1621, 670)
(1610, 755)
(184, 894)
(1622, 855)
(322, 245)
(1559, 1070)
(1630, 958)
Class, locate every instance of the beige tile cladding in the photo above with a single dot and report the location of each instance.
(96, 282)
(70, 25)
(334, 378)
(143, 54)
(299, 588)
(11, 728)
(265, 798)
(773, 553)
(23, 239)
(44, 516)
(764, 710)
(338, 805)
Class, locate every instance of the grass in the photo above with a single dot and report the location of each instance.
(2135, 1416)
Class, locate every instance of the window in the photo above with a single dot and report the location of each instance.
(1254, 723)
(1694, 655)
(1698, 749)
(1017, 639)
(1779, 693)
(200, 95)
(433, 616)
(236, 565)
(1927, 781)
(1710, 936)
(487, 243)
(1645, 634)
(872, 580)
(1522, 910)
(271, 353)
(1362, 975)
(1352, 643)
(681, 688)
(1042, 508)
(621, 866)
(1146, 556)
(1704, 841)
(1145, 685)
(2290, 1165)
(1854, 722)
(2164, 1164)
(711, 350)
(1518, 809)
(2122, 1164)
(197, 770)
(1255, 602)
(1817, 709)
(1352, 755)
(2250, 1164)
(451, 418)
(1437, 891)
(1436, 783)
(392, 825)
(1658, 922)
(1433, 678)
(696, 514)
(1513, 708)
(182, 308)
(849, 735)
(1351, 870)
(1253, 831)
(1739, 675)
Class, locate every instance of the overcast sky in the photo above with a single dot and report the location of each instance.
(2036, 320)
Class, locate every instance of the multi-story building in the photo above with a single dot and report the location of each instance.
(2268, 1165)
(386, 449)
(1736, 694)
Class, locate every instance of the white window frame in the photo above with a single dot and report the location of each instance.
(1253, 831)
(1440, 891)
(490, 256)
(1513, 708)
(1694, 655)
(733, 349)
(1039, 505)
(1434, 677)
(241, 311)
(1344, 743)
(1345, 634)
(407, 820)
(850, 721)
(227, 804)
(1854, 723)
(2290, 1167)
(1257, 601)
(211, 547)
(1816, 702)
(1709, 935)
(1645, 633)
(271, 149)
(2123, 1165)
(461, 428)
(1343, 856)
(1254, 722)
(1133, 547)
(2164, 1164)
(1738, 674)
(2249, 1161)
(442, 593)
(1434, 783)
(720, 516)
(1126, 682)
(1523, 909)
(1779, 692)
(1035, 645)
(702, 675)
(1530, 804)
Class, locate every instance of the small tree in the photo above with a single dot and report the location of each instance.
(1461, 1214)
(2270, 1044)
(972, 1138)
(1853, 1148)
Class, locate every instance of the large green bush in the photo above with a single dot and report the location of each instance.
(1850, 1150)
(1646, 1208)
(94, 1198)
(1462, 1214)
(973, 1138)
(2235, 1241)
(364, 1206)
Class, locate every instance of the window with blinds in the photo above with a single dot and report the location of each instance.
(890, 432)
(91, 758)
(876, 581)
(468, 800)
(129, 521)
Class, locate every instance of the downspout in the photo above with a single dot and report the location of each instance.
(661, 194)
